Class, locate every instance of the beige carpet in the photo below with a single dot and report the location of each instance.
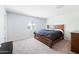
(64, 46)
(33, 46)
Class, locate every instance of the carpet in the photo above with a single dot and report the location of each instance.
(33, 46)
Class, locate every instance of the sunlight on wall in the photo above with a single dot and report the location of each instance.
(55, 20)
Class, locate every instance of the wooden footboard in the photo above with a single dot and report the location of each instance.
(46, 40)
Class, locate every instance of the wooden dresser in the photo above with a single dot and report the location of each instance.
(75, 42)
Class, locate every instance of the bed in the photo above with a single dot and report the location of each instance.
(51, 35)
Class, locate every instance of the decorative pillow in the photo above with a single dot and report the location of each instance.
(50, 27)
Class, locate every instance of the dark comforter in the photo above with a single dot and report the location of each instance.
(51, 34)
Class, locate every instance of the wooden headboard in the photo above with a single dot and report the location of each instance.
(59, 26)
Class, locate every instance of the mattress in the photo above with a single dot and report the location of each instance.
(55, 34)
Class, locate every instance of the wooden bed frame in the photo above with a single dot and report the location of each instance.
(46, 40)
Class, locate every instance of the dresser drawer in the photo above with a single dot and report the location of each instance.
(75, 42)
(74, 35)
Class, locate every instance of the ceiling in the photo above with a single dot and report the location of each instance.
(33, 10)
(44, 11)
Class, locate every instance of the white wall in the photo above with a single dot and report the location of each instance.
(17, 26)
(2, 15)
(70, 20)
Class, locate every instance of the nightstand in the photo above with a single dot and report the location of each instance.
(75, 42)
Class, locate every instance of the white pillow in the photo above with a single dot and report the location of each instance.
(51, 27)
(0, 45)
(59, 30)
